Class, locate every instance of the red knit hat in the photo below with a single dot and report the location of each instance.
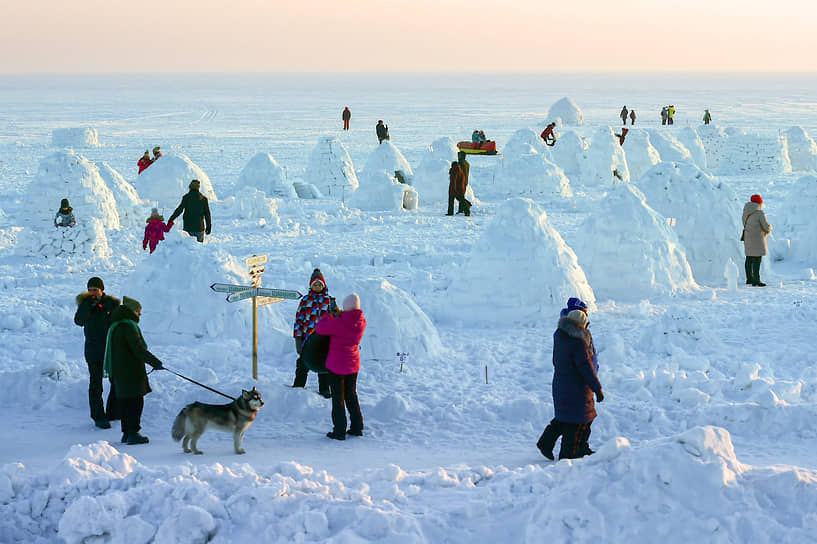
(756, 199)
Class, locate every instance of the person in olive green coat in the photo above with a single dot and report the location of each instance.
(126, 355)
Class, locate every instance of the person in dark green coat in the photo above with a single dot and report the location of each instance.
(126, 355)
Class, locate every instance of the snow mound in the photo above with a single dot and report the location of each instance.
(669, 147)
(525, 170)
(331, 170)
(68, 175)
(802, 150)
(131, 208)
(264, 173)
(185, 268)
(568, 153)
(710, 234)
(632, 254)
(387, 157)
(567, 111)
(75, 137)
(605, 161)
(379, 191)
(799, 222)
(641, 155)
(167, 180)
(689, 138)
(517, 254)
(250, 203)
(431, 177)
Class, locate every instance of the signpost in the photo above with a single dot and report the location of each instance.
(260, 297)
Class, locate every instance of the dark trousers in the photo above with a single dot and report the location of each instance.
(98, 412)
(463, 205)
(132, 414)
(302, 372)
(752, 267)
(344, 397)
(575, 438)
(663, 120)
(346, 124)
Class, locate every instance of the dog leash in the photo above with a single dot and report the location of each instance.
(197, 383)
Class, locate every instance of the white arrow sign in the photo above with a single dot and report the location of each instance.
(263, 301)
(256, 259)
(229, 288)
(241, 295)
(278, 293)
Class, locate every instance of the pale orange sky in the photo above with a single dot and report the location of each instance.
(407, 36)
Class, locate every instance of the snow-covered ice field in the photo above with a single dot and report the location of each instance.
(707, 431)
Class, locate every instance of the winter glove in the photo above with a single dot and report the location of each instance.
(144, 245)
(158, 366)
(600, 396)
(207, 232)
(170, 224)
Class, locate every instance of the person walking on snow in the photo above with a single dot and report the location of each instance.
(671, 115)
(456, 189)
(65, 215)
(466, 172)
(126, 355)
(755, 229)
(575, 382)
(548, 136)
(707, 117)
(664, 115)
(313, 306)
(632, 117)
(623, 115)
(382, 131)
(144, 162)
(155, 230)
(94, 309)
(345, 330)
(346, 116)
(196, 219)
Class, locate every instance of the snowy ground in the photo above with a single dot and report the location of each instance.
(706, 433)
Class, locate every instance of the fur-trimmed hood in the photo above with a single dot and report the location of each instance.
(154, 218)
(574, 330)
(83, 296)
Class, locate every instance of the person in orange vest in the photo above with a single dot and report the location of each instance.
(144, 162)
(347, 116)
(548, 136)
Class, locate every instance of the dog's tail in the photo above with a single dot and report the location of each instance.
(179, 424)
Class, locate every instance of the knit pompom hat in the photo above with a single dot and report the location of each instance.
(757, 199)
(317, 275)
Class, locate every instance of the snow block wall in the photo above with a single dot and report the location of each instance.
(252, 204)
(710, 233)
(262, 172)
(131, 208)
(518, 253)
(631, 253)
(802, 150)
(799, 222)
(75, 137)
(604, 157)
(641, 155)
(85, 242)
(525, 170)
(669, 147)
(167, 180)
(566, 111)
(387, 157)
(331, 170)
(730, 151)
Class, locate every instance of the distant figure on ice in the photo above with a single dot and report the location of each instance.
(313, 306)
(670, 115)
(382, 131)
(126, 355)
(346, 116)
(623, 135)
(65, 215)
(155, 230)
(707, 117)
(575, 381)
(145, 161)
(548, 136)
(755, 229)
(196, 219)
(632, 117)
(94, 309)
(623, 115)
(157, 152)
(456, 189)
(345, 330)
(664, 115)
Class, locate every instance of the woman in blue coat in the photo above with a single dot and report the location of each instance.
(575, 382)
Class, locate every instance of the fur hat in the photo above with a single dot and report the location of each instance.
(351, 302)
(96, 282)
(756, 199)
(147, 153)
(578, 317)
(574, 303)
(317, 275)
(195, 184)
(131, 304)
(156, 149)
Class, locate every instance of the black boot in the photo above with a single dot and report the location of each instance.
(137, 438)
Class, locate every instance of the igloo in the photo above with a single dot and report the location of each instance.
(166, 181)
(799, 222)
(263, 173)
(387, 157)
(641, 155)
(631, 253)
(567, 111)
(668, 146)
(605, 161)
(75, 137)
(519, 269)
(525, 170)
(252, 204)
(689, 138)
(706, 213)
(331, 170)
(802, 150)
(131, 208)
(569, 153)
(380, 191)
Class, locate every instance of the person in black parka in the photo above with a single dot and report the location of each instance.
(382, 131)
(196, 219)
(94, 309)
(574, 384)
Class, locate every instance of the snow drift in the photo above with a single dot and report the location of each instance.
(802, 150)
(167, 180)
(641, 155)
(567, 111)
(331, 170)
(262, 172)
(131, 208)
(75, 137)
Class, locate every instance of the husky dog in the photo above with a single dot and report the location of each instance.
(235, 417)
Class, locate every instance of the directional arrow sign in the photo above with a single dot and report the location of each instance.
(241, 295)
(256, 259)
(263, 301)
(255, 270)
(278, 293)
(229, 288)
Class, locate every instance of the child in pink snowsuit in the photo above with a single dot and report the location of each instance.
(155, 230)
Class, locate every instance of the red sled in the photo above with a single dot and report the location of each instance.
(484, 148)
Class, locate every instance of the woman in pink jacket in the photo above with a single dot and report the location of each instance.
(345, 330)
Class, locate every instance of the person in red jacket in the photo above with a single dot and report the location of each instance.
(623, 135)
(347, 116)
(345, 330)
(456, 189)
(144, 162)
(548, 136)
(155, 230)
